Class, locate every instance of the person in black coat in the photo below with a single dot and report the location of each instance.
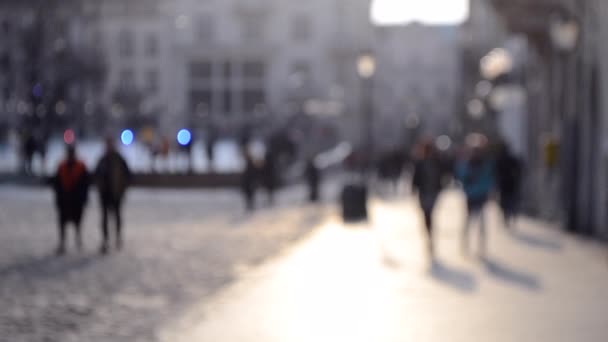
(508, 174)
(210, 143)
(427, 182)
(71, 186)
(269, 173)
(248, 179)
(313, 180)
(113, 178)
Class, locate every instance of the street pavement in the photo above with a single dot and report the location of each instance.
(180, 247)
(196, 268)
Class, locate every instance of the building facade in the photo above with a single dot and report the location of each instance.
(565, 78)
(418, 75)
(188, 60)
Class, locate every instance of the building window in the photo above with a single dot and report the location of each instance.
(253, 99)
(227, 70)
(253, 70)
(151, 47)
(252, 28)
(227, 96)
(127, 79)
(200, 70)
(204, 28)
(152, 81)
(301, 68)
(125, 43)
(301, 28)
(201, 101)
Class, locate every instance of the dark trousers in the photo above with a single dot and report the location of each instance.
(475, 210)
(428, 220)
(111, 208)
(62, 232)
(70, 213)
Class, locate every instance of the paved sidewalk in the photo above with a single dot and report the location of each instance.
(374, 283)
(181, 247)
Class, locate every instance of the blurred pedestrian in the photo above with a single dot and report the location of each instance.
(71, 186)
(113, 177)
(248, 179)
(476, 174)
(269, 172)
(427, 182)
(389, 169)
(42, 147)
(244, 136)
(508, 179)
(313, 180)
(28, 150)
(211, 139)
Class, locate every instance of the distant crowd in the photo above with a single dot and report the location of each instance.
(480, 168)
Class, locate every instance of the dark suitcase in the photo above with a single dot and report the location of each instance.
(354, 203)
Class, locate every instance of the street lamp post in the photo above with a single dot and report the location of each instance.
(366, 68)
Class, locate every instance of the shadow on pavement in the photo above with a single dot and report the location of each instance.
(511, 276)
(48, 266)
(536, 241)
(458, 279)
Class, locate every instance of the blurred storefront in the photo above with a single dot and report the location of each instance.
(563, 73)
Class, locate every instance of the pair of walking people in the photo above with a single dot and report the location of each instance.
(71, 187)
(475, 173)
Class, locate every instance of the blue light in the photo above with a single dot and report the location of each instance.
(127, 137)
(184, 137)
(37, 90)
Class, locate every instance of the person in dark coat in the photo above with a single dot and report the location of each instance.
(269, 173)
(28, 150)
(113, 178)
(313, 180)
(71, 185)
(508, 177)
(248, 179)
(210, 147)
(427, 183)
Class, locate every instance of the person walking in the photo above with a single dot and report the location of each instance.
(508, 179)
(248, 179)
(210, 143)
(312, 173)
(269, 173)
(427, 182)
(476, 174)
(28, 151)
(113, 177)
(71, 187)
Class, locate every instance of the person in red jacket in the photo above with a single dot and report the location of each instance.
(71, 185)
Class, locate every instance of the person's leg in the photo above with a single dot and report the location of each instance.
(104, 227)
(428, 220)
(504, 209)
(248, 194)
(270, 190)
(482, 232)
(508, 209)
(61, 244)
(117, 213)
(470, 212)
(78, 235)
(77, 228)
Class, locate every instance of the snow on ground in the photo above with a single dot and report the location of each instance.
(227, 157)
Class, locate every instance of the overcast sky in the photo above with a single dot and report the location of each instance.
(438, 12)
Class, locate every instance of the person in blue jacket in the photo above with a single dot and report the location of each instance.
(476, 174)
